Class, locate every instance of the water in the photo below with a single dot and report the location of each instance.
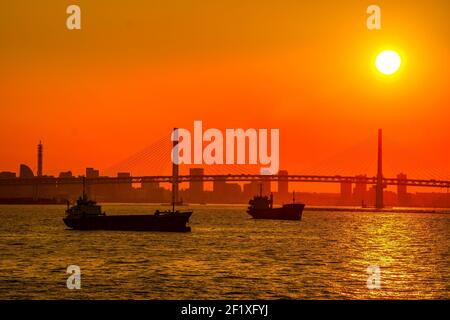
(227, 256)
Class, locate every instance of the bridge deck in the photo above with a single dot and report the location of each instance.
(230, 178)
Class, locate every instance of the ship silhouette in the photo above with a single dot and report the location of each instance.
(261, 207)
(88, 215)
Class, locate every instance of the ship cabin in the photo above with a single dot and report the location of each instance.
(85, 207)
(261, 202)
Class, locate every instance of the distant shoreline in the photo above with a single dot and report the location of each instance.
(307, 208)
(375, 210)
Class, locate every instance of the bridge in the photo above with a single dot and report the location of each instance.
(228, 178)
(379, 181)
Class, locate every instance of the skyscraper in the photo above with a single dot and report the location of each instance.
(283, 184)
(346, 193)
(196, 184)
(402, 191)
(360, 189)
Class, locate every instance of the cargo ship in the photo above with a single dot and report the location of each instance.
(261, 207)
(88, 215)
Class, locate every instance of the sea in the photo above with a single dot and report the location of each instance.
(228, 255)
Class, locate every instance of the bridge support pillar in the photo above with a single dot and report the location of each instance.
(379, 204)
(175, 198)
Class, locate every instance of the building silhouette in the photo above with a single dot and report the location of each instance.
(360, 190)
(283, 187)
(25, 171)
(402, 191)
(266, 186)
(251, 189)
(346, 193)
(58, 190)
(196, 187)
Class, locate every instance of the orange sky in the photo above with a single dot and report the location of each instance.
(138, 68)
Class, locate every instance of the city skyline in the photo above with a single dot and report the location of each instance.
(201, 190)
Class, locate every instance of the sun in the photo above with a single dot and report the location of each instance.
(388, 62)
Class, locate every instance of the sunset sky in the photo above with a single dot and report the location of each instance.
(136, 69)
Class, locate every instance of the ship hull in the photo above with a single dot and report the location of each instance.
(173, 222)
(287, 212)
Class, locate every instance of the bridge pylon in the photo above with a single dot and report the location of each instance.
(379, 204)
(175, 179)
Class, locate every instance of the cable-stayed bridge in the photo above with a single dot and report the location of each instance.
(157, 158)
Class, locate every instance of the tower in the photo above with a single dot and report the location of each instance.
(39, 159)
(174, 168)
(379, 186)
